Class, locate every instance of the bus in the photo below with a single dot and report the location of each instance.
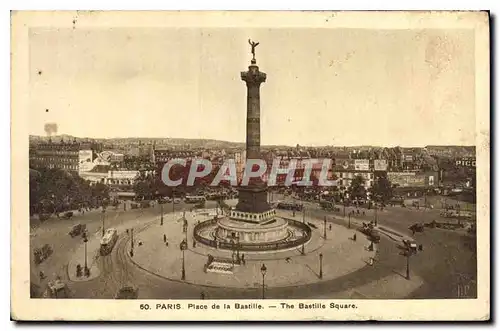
(108, 241)
(195, 198)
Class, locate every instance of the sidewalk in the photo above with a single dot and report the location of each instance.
(341, 256)
(94, 242)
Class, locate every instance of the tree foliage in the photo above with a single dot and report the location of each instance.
(357, 188)
(382, 189)
(56, 190)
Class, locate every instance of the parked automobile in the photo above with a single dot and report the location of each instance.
(177, 200)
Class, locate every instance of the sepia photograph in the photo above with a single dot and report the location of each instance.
(242, 166)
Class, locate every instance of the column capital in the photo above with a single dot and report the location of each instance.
(253, 76)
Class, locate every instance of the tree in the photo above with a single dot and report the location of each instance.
(357, 188)
(382, 189)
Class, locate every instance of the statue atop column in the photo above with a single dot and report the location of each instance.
(253, 45)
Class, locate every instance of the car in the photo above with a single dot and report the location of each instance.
(127, 292)
(417, 227)
(177, 200)
(42, 253)
(67, 215)
(56, 289)
(77, 230)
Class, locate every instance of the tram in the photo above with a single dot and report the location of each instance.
(108, 241)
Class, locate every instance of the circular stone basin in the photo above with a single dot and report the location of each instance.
(271, 235)
(272, 230)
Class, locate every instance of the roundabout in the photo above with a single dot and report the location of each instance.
(315, 259)
(346, 273)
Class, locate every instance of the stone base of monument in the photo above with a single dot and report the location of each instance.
(252, 232)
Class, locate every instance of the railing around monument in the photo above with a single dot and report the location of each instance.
(304, 228)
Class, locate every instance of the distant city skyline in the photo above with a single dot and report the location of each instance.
(325, 87)
(188, 140)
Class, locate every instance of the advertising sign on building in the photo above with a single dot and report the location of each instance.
(363, 165)
(408, 158)
(344, 164)
(85, 160)
(431, 180)
(406, 179)
(468, 162)
(380, 165)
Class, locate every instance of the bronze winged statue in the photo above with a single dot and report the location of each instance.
(253, 45)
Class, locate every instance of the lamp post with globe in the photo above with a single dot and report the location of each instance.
(263, 271)
(183, 247)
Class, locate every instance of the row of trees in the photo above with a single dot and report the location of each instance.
(380, 191)
(56, 190)
(151, 186)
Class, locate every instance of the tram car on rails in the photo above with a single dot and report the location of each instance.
(108, 241)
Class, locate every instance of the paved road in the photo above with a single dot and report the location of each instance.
(55, 232)
(444, 263)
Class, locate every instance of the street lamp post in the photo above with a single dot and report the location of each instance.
(132, 242)
(173, 202)
(321, 265)
(263, 270)
(304, 243)
(161, 217)
(303, 214)
(349, 224)
(183, 248)
(103, 215)
(232, 253)
(238, 249)
(86, 270)
(376, 207)
(344, 207)
(324, 223)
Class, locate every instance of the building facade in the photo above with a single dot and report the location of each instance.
(64, 155)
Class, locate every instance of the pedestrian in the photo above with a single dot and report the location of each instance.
(354, 237)
(42, 275)
(164, 238)
(371, 261)
(243, 259)
(420, 247)
(202, 295)
(166, 243)
(363, 213)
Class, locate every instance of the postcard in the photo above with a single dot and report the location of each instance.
(189, 166)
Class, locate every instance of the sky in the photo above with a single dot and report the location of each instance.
(325, 86)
